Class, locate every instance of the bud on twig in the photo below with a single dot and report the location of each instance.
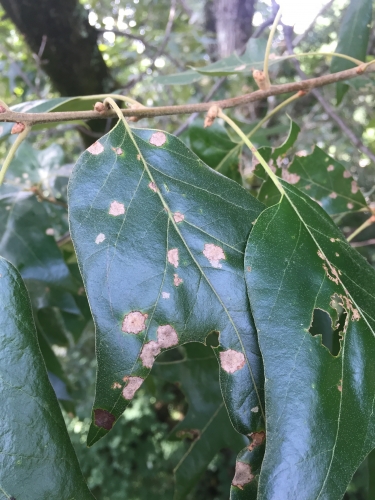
(100, 107)
(2, 109)
(211, 115)
(18, 128)
(260, 79)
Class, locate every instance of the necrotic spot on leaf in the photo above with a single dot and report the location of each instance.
(289, 177)
(116, 208)
(231, 360)
(354, 187)
(330, 168)
(173, 257)
(134, 322)
(255, 409)
(119, 151)
(178, 217)
(350, 205)
(134, 383)
(116, 385)
(165, 295)
(153, 186)
(242, 475)
(167, 336)
(158, 139)
(257, 439)
(333, 195)
(96, 148)
(214, 254)
(100, 238)
(240, 68)
(347, 174)
(104, 419)
(176, 280)
(149, 352)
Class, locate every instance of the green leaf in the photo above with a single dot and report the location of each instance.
(206, 421)
(353, 39)
(38, 460)
(159, 238)
(184, 78)
(318, 405)
(213, 145)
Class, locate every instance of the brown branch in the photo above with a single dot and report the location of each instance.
(286, 88)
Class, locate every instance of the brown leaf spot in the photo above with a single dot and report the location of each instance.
(308, 187)
(257, 439)
(116, 208)
(149, 352)
(333, 195)
(116, 385)
(242, 475)
(289, 177)
(173, 257)
(118, 151)
(347, 174)
(134, 322)
(190, 434)
(50, 231)
(354, 187)
(158, 139)
(255, 409)
(96, 148)
(167, 336)
(134, 383)
(138, 157)
(332, 273)
(339, 386)
(153, 187)
(332, 239)
(104, 419)
(214, 254)
(350, 205)
(330, 168)
(321, 255)
(176, 280)
(100, 238)
(178, 217)
(232, 361)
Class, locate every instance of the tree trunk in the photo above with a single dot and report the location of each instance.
(74, 62)
(234, 20)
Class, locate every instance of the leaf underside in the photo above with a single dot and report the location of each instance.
(318, 406)
(160, 241)
(37, 458)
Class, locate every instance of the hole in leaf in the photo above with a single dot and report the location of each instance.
(212, 339)
(322, 325)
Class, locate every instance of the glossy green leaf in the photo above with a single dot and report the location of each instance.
(159, 238)
(353, 39)
(38, 460)
(184, 78)
(318, 406)
(206, 422)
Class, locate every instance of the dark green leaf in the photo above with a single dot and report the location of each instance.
(38, 460)
(206, 422)
(318, 406)
(159, 238)
(353, 39)
(185, 78)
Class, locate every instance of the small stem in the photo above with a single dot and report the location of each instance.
(12, 152)
(116, 109)
(363, 226)
(253, 149)
(119, 97)
(273, 112)
(269, 46)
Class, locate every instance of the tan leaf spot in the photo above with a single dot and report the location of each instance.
(165, 295)
(214, 254)
(289, 177)
(330, 168)
(173, 257)
(240, 68)
(153, 187)
(333, 195)
(347, 174)
(332, 239)
(242, 475)
(178, 217)
(100, 238)
(116, 385)
(119, 151)
(255, 409)
(308, 187)
(50, 231)
(339, 386)
(350, 205)
(321, 255)
(116, 208)
(158, 139)
(134, 383)
(176, 280)
(96, 148)
(232, 361)
(149, 353)
(354, 187)
(257, 439)
(134, 322)
(167, 336)
(337, 254)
